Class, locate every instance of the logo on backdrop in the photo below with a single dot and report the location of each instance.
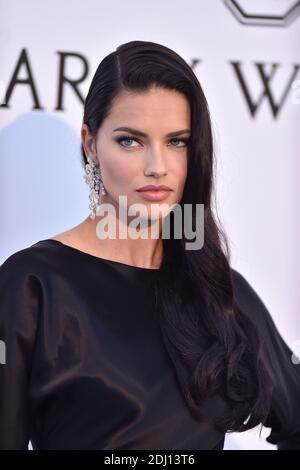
(268, 94)
(264, 12)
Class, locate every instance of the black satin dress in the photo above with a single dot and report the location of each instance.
(86, 367)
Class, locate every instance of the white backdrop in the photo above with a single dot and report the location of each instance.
(42, 191)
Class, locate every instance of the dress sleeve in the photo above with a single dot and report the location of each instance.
(19, 305)
(284, 415)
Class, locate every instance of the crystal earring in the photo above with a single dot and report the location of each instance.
(93, 179)
(102, 187)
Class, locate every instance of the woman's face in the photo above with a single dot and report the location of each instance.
(126, 163)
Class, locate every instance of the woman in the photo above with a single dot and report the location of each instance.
(140, 343)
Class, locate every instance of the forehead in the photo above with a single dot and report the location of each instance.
(156, 106)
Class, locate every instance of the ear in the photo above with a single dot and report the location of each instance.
(88, 142)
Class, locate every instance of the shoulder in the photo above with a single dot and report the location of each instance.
(254, 307)
(240, 283)
(249, 299)
(29, 262)
(245, 292)
(21, 292)
(21, 300)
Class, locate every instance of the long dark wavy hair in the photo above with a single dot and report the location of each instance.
(214, 346)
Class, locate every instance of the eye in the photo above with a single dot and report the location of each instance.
(126, 137)
(132, 138)
(185, 141)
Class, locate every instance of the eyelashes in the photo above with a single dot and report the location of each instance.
(131, 137)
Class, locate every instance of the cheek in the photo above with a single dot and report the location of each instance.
(120, 173)
(180, 175)
(181, 171)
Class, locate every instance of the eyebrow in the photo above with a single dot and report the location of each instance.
(142, 134)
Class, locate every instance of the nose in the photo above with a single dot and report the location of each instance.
(156, 165)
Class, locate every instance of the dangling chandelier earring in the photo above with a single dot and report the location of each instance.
(94, 179)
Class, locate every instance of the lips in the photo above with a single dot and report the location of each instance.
(154, 195)
(152, 187)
